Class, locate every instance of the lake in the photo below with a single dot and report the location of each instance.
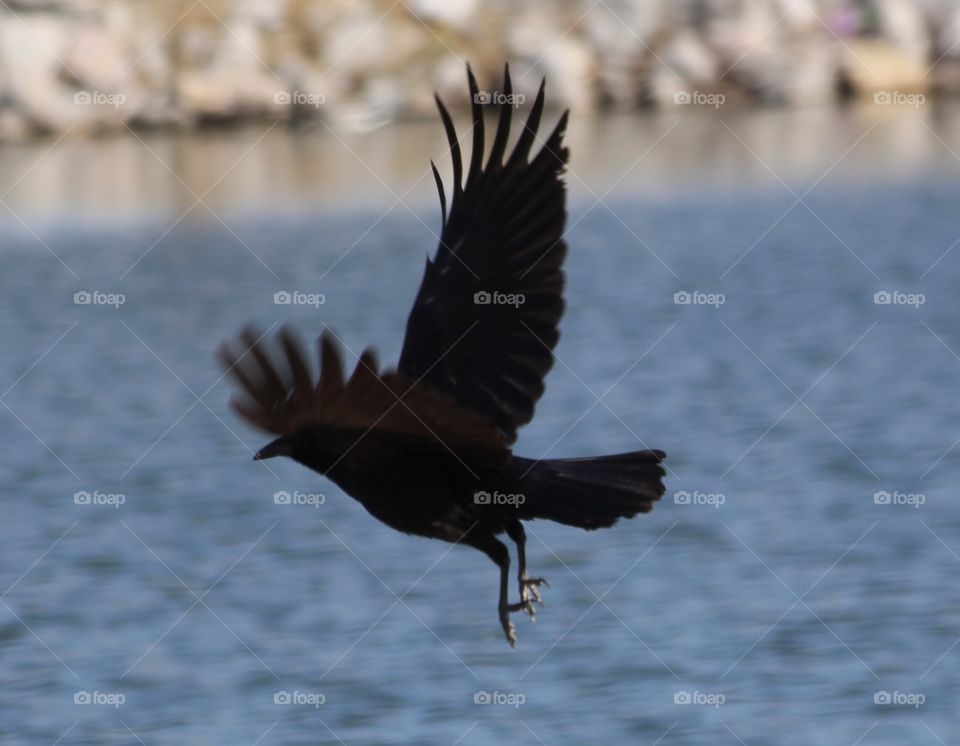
(768, 296)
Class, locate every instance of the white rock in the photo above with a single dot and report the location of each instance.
(570, 67)
(236, 80)
(456, 13)
(902, 22)
(813, 72)
(949, 34)
(96, 56)
(620, 36)
(689, 57)
(31, 60)
(875, 65)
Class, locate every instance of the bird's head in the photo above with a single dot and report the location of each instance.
(311, 447)
(279, 394)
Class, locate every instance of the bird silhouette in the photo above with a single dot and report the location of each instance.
(426, 447)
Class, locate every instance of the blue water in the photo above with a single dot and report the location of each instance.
(782, 613)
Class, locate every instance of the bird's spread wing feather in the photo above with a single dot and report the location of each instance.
(280, 395)
(484, 323)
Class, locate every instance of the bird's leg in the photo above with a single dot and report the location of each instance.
(498, 552)
(529, 587)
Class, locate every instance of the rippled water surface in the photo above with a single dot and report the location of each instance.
(779, 591)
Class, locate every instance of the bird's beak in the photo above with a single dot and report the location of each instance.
(278, 447)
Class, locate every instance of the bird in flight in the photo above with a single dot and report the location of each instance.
(426, 447)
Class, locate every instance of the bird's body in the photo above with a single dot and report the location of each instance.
(428, 494)
(426, 449)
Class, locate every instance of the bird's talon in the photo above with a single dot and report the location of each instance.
(508, 628)
(530, 591)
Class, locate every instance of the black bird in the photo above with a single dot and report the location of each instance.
(426, 448)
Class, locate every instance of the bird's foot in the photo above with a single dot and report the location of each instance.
(527, 607)
(508, 629)
(530, 590)
(529, 598)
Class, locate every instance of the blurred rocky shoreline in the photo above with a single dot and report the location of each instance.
(84, 67)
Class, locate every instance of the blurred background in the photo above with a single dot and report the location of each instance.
(762, 278)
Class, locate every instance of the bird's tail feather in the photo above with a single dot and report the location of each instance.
(590, 492)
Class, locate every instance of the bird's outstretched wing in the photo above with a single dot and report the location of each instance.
(280, 395)
(484, 323)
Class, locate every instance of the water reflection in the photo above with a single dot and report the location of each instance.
(274, 169)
